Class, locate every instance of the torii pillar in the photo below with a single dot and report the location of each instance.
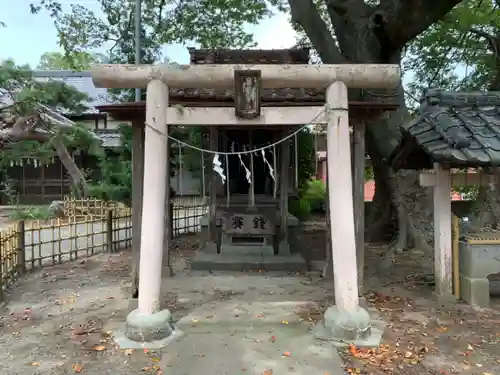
(346, 321)
(148, 325)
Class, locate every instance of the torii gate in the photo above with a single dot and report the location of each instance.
(346, 319)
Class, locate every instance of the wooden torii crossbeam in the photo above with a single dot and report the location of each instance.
(367, 76)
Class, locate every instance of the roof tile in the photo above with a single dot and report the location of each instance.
(457, 129)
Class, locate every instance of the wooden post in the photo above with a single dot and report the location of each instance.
(442, 232)
(2, 268)
(109, 231)
(214, 144)
(342, 233)
(21, 247)
(137, 192)
(283, 248)
(251, 191)
(171, 221)
(456, 256)
(359, 198)
(168, 218)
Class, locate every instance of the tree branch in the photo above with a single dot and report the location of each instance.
(24, 135)
(403, 20)
(344, 16)
(305, 14)
(494, 43)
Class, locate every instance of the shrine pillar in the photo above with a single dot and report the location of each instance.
(284, 246)
(345, 320)
(148, 324)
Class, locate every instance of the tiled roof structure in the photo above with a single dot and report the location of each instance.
(454, 129)
(249, 56)
(82, 81)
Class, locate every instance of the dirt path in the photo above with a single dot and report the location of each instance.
(60, 320)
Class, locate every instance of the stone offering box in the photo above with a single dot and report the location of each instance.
(248, 233)
(479, 258)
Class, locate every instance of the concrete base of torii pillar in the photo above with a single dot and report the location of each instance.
(148, 326)
(345, 322)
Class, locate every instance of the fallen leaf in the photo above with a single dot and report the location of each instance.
(287, 354)
(99, 348)
(35, 364)
(77, 368)
(284, 322)
(268, 372)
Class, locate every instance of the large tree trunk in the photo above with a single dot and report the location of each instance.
(406, 200)
(377, 34)
(76, 176)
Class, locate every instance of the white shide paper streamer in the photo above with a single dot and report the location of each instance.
(218, 168)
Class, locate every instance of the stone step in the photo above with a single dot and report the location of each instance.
(225, 262)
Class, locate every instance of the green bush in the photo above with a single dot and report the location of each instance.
(31, 213)
(314, 192)
(300, 208)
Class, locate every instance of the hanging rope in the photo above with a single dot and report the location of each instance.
(246, 152)
(248, 174)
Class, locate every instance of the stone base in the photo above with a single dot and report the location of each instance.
(344, 328)
(221, 262)
(283, 248)
(147, 330)
(246, 250)
(210, 247)
(475, 291)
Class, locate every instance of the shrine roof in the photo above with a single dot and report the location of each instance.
(453, 129)
(249, 56)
